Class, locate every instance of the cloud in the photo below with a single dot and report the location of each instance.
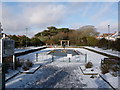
(87, 9)
(105, 10)
(76, 26)
(45, 14)
(38, 16)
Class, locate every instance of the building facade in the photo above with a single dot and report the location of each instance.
(110, 36)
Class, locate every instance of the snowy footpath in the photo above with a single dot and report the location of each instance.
(61, 73)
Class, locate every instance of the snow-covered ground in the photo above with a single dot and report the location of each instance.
(61, 73)
(107, 51)
(111, 79)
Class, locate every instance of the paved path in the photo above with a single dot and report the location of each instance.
(60, 78)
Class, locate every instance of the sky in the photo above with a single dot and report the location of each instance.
(37, 16)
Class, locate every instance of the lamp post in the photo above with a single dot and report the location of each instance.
(1, 30)
(108, 36)
(0, 27)
(0, 43)
(108, 31)
(2, 67)
(86, 58)
(26, 36)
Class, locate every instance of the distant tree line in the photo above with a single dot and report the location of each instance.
(21, 41)
(84, 36)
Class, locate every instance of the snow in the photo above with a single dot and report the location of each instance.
(108, 51)
(89, 70)
(111, 79)
(95, 82)
(61, 73)
(11, 73)
(18, 50)
(77, 80)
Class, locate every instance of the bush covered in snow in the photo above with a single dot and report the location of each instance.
(104, 69)
(115, 68)
(27, 64)
(110, 65)
(25, 68)
(89, 65)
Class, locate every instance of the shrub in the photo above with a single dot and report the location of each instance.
(113, 73)
(115, 68)
(25, 68)
(105, 69)
(29, 63)
(89, 65)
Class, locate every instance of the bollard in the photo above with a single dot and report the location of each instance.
(79, 58)
(36, 57)
(63, 59)
(86, 58)
(69, 59)
(13, 62)
(52, 58)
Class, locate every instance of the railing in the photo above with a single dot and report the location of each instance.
(44, 58)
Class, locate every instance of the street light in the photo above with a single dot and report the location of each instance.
(108, 35)
(0, 27)
(108, 29)
(1, 30)
(26, 36)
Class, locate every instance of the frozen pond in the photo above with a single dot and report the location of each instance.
(63, 52)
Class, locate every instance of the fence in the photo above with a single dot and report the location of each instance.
(44, 58)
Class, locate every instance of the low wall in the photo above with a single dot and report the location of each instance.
(29, 51)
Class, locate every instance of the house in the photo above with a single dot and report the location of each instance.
(115, 36)
(109, 36)
(104, 35)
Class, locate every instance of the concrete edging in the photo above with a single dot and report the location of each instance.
(100, 77)
(32, 71)
(107, 82)
(29, 51)
(87, 73)
(12, 76)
